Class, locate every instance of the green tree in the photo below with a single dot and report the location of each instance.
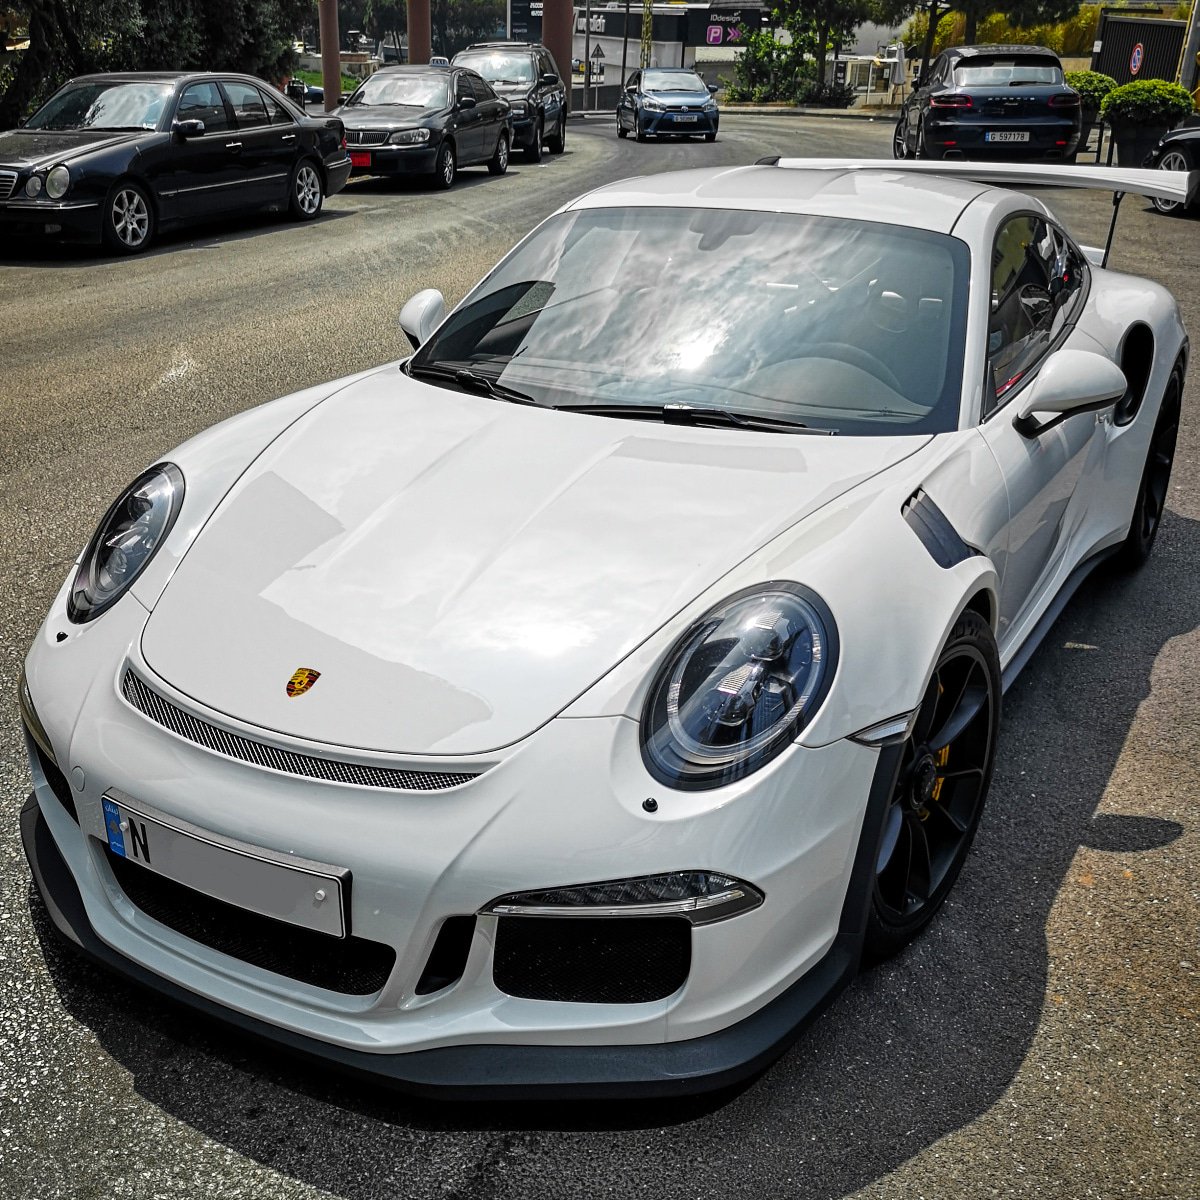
(455, 24)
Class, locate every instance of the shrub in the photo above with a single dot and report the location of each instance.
(825, 95)
(1147, 102)
(1092, 87)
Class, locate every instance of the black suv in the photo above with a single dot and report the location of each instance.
(526, 75)
(990, 102)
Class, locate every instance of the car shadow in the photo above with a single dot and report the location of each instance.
(913, 1050)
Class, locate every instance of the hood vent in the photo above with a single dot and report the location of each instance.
(162, 712)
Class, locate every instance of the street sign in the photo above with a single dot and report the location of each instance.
(597, 53)
(723, 26)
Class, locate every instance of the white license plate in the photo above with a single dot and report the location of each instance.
(686, 118)
(296, 890)
(1006, 137)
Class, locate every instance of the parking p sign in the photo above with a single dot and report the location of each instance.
(723, 26)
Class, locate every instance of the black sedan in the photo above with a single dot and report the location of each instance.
(114, 158)
(990, 102)
(426, 121)
(1178, 150)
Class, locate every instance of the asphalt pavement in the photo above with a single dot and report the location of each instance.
(1040, 1040)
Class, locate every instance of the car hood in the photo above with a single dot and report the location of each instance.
(699, 99)
(459, 569)
(383, 116)
(41, 147)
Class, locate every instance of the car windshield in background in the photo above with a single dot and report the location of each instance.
(113, 105)
(499, 68)
(1008, 72)
(407, 91)
(672, 81)
(837, 324)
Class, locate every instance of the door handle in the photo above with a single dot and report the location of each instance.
(289, 137)
(233, 145)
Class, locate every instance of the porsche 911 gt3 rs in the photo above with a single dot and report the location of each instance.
(569, 707)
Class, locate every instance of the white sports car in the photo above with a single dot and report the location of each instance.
(569, 708)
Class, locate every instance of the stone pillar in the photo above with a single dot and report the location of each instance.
(331, 56)
(419, 27)
(557, 35)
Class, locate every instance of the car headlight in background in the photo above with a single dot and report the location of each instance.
(57, 182)
(738, 687)
(125, 541)
(409, 137)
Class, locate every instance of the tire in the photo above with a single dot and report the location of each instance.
(498, 163)
(711, 137)
(306, 192)
(900, 148)
(937, 800)
(622, 132)
(556, 143)
(1151, 497)
(640, 133)
(127, 221)
(445, 169)
(922, 150)
(1173, 160)
(533, 152)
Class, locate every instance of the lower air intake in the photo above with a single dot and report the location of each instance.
(592, 960)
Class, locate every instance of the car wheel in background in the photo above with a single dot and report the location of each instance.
(622, 132)
(900, 140)
(446, 167)
(640, 132)
(127, 222)
(557, 141)
(1173, 160)
(498, 163)
(922, 148)
(533, 151)
(945, 769)
(1156, 478)
(711, 137)
(305, 193)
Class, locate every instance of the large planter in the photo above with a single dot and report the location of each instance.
(1135, 140)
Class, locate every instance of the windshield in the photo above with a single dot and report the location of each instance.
(497, 67)
(837, 324)
(1008, 72)
(408, 91)
(672, 81)
(103, 105)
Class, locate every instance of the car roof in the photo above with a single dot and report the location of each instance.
(166, 76)
(923, 202)
(417, 69)
(503, 46)
(988, 50)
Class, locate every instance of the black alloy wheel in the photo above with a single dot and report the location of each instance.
(498, 163)
(305, 191)
(945, 770)
(1173, 160)
(533, 152)
(445, 169)
(557, 141)
(127, 220)
(1156, 479)
(900, 140)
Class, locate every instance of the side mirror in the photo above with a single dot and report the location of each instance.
(422, 315)
(466, 102)
(550, 80)
(713, 89)
(188, 129)
(1069, 382)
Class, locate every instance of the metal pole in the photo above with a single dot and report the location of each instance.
(587, 51)
(624, 48)
(331, 56)
(1191, 51)
(927, 53)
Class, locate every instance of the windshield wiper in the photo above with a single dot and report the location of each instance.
(686, 414)
(470, 381)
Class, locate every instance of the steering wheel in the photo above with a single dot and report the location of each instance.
(856, 356)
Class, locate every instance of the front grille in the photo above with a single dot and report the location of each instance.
(160, 710)
(352, 966)
(592, 960)
(8, 181)
(366, 137)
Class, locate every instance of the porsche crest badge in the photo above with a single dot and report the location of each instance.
(301, 681)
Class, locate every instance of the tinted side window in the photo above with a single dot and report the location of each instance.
(462, 88)
(278, 114)
(203, 102)
(248, 106)
(1037, 280)
(481, 90)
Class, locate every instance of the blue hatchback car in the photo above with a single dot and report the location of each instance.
(661, 101)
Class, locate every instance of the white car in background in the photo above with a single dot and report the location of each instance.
(569, 708)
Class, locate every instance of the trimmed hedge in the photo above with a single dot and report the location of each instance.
(1092, 86)
(1147, 102)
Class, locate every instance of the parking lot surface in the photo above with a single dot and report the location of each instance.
(1040, 1040)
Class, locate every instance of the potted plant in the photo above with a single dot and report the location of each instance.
(1092, 87)
(1139, 113)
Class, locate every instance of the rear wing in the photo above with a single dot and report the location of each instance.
(1180, 186)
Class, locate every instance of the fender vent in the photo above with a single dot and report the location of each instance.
(162, 712)
(937, 535)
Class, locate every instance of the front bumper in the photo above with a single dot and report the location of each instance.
(660, 124)
(393, 160)
(70, 220)
(1047, 138)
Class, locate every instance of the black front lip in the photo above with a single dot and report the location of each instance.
(483, 1072)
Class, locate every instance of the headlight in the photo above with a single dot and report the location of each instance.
(409, 137)
(131, 531)
(739, 686)
(34, 186)
(710, 105)
(653, 106)
(57, 182)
